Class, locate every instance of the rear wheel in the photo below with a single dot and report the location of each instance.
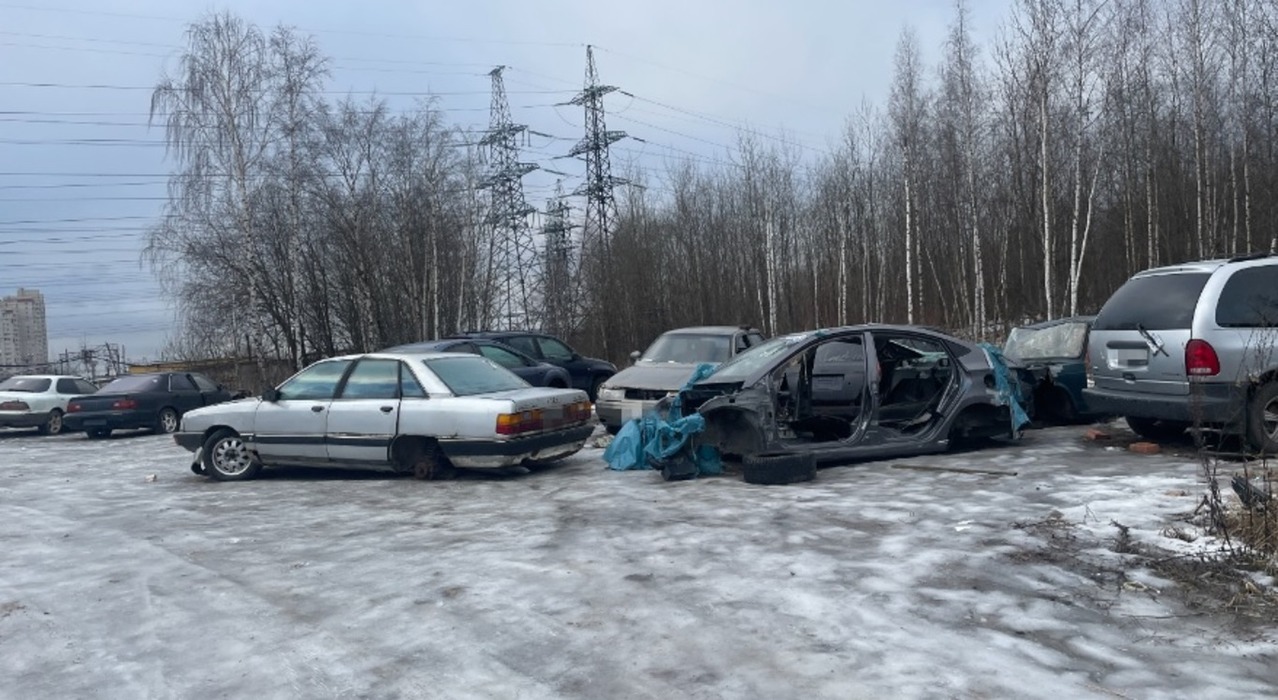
(53, 425)
(227, 458)
(425, 461)
(166, 421)
(1262, 419)
(1156, 429)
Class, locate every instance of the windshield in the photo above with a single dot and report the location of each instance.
(689, 348)
(745, 364)
(26, 385)
(1056, 341)
(468, 376)
(153, 382)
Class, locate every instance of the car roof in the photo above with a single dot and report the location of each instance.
(710, 330)
(45, 376)
(400, 355)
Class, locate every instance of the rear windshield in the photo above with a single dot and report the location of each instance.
(1062, 340)
(136, 383)
(1155, 303)
(26, 385)
(468, 376)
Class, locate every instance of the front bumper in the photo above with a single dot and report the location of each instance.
(1215, 404)
(107, 420)
(496, 454)
(615, 412)
(23, 419)
(189, 441)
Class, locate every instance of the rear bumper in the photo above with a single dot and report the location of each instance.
(1220, 405)
(495, 454)
(615, 412)
(108, 420)
(23, 419)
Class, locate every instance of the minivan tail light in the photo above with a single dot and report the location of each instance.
(1201, 359)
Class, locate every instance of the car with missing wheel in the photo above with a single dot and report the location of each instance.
(1193, 343)
(424, 414)
(154, 401)
(39, 400)
(1052, 357)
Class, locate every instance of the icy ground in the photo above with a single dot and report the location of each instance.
(888, 579)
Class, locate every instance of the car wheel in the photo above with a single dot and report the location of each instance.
(53, 426)
(778, 467)
(1155, 429)
(99, 433)
(227, 458)
(594, 388)
(166, 421)
(1262, 419)
(612, 429)
(430, 464)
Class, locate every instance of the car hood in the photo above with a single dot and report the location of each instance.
(667, 376)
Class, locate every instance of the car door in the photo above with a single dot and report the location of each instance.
(183, 394)
(364, 417)
(67, 387)
(556, 353)
(210, 392)
(291, 428)
(532, 374)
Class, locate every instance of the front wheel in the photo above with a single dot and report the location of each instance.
(1262, 419)
(594, 388)
(166, 421)
(53, 425)
(227, 458)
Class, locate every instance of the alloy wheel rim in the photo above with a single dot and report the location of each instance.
(169, 420)
(1270, 418)
(55, 423)
(230, 457)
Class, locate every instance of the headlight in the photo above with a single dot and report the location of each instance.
(612, 394)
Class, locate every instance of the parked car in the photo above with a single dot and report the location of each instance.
(534, 372)
(587, 373)
(858, 392)
(418, 413)
(1191, 343)
(39, 400)
(154, 400)
(1052, 356)
(665, 367)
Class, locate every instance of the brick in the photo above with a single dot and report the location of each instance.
(1144, 448)
(1096, 435)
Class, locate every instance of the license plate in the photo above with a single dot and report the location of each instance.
(93, 422)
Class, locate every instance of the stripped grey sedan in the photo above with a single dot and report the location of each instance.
(418, 413)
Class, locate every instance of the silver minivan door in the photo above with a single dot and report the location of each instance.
(1138, 340)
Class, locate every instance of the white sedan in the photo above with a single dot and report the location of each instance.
(39, 400)
(418, 413)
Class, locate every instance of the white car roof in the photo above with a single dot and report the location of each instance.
(46, 376)
(425, 355)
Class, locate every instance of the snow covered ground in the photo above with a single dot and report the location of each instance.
(888, 579)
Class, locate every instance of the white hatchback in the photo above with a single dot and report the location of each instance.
(39, 400)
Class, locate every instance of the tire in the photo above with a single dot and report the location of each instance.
(594, 388)
(227, 458)
(53, 426)
(99, 433)
(778, 467)
(166, 421)
(1262, 419)
(428, 463)
(1155, 429)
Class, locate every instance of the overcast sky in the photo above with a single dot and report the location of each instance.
(81, 175)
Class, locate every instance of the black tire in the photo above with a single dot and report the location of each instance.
(98, 433)
(52, 426)
(1262, 419)
(428, 463)
(166, 421)
(594, 388)
(612, 429)
(778, 467)
(227, 458)
(1155, 429)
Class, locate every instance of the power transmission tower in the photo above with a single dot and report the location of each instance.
(557, 236)
(601, 206)
(515, 263)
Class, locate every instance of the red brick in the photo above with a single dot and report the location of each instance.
(1096, 434)
(1145, 448)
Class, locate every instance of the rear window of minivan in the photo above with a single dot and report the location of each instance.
(1157, 302)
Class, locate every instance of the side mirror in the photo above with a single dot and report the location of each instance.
(272, 394)
(634, 355)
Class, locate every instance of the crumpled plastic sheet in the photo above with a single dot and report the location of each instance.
(1009, 392)
(651, 438)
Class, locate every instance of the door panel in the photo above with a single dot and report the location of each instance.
(293, 427)
(363, 419)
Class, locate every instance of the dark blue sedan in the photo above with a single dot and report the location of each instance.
(528, 369)
(1052, 353)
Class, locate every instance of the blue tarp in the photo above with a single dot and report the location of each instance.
(1008, 386)
(652, 436)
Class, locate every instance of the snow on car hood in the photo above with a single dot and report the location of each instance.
(666, 376)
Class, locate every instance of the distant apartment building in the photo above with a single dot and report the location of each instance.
(24, 338)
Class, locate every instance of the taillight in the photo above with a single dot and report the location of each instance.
(1201, 359)
(124, 404)
(522, 422)
(579, 411)
(73, 408)
(14, 406)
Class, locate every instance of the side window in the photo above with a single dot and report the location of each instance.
(739, 343)
(180, 382)
(552, 349)
(505, 358)
(68, 386)
(204, 383)
(316, 382)
(464, 347)
(373, 379)
(1249, 299)
(755, 339)
(409, 387)
(839, 357)
(524, 344)
(86, 387)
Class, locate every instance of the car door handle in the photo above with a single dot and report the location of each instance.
(317, 409)
(387, 409)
